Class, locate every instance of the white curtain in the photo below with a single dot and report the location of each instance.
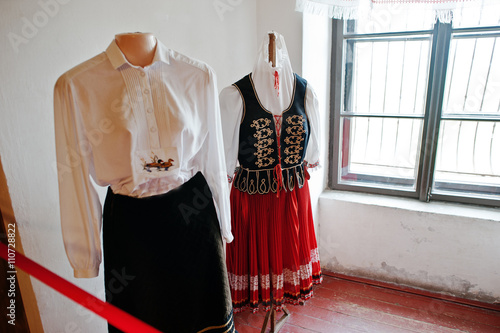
(444, 10)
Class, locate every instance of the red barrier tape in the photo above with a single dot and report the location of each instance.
(116, 317)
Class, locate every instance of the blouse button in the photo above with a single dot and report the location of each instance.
(153, 129)
(143, 74)
(150, 110)
(146, 91)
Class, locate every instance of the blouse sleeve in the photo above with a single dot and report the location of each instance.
(80, 207)
(312, 110)
(231, 107)
(212, 157)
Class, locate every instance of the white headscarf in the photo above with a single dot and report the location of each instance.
(274, 97)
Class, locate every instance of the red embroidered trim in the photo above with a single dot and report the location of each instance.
(310, 166)
(277, 81)
(277, 120)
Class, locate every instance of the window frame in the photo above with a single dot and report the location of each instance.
(441, 36)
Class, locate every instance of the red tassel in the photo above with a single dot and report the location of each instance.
(277, 81)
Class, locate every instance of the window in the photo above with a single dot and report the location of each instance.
(416, 108)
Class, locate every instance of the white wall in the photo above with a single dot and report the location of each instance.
(316, 69)
(51, 36)
(446, 248)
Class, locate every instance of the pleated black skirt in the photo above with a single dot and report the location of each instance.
(164, 261)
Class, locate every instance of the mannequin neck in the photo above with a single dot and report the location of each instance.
(138, 48)
(272, 49)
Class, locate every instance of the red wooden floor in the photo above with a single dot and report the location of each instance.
(346, 306)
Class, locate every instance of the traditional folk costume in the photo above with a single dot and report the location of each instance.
(153, 135)
(270, 125)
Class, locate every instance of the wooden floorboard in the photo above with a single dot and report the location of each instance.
(422, 304)
(344, 306)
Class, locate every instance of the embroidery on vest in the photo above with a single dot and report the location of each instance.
(263, 133)
(295, 131)
(272, 147)
(294, 140)
(293, 150)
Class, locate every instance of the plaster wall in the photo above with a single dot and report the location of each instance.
(446, 248)
(39, 41)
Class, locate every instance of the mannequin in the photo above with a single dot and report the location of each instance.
(138, 47)
(274, 258)
(272, 49)
(155, 245)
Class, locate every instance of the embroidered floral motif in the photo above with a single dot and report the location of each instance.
(295, 130)
(278, 281)
(314, 255)
(295, 120)
(266, 161)
(263, 133)
(313, 165)
(260, 123)
(294, 138)
(156, 163)
(262, 152)
(292, 159)
(293, 150)
(265, 282)
(238, 282)
(267, 142)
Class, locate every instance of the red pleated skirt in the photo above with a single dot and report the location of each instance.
(274, 256)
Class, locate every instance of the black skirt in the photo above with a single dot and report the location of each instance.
(164, 261)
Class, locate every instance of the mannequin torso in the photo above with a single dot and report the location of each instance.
(139, 48)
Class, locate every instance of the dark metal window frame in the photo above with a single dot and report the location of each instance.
(440, 43)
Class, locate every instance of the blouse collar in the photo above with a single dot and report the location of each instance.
(117, 58)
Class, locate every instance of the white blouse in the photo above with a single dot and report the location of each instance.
(142, 131)
(274, 88)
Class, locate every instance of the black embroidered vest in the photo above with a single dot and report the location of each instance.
(265, 149)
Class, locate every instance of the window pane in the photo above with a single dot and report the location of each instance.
(472, 16)
(468, 158)
(390, 18)
(381, 152)
(385, 76)
(473, 76)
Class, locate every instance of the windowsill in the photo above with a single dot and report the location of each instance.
(435, 207)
